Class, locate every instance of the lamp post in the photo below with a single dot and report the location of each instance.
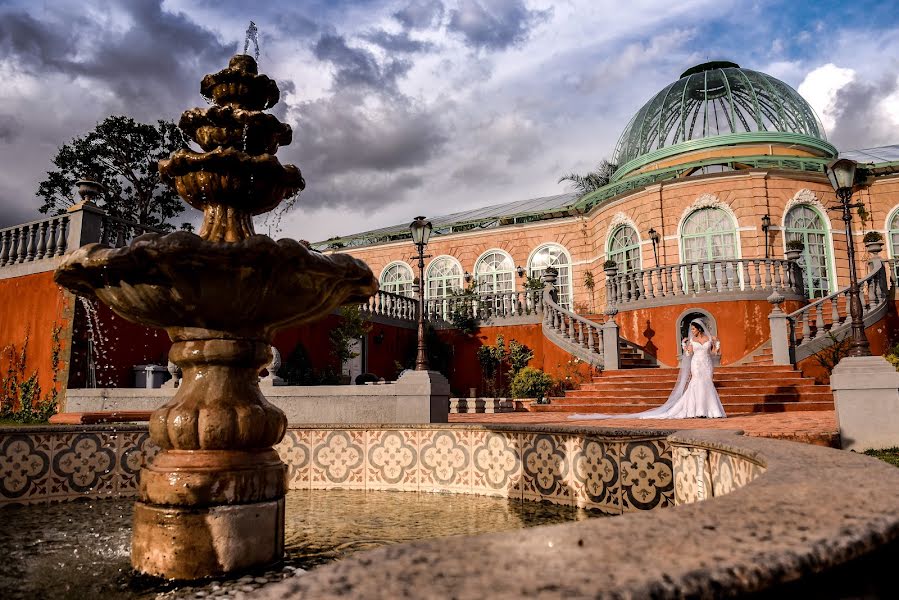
(766, 225)
(841, 174)
(655, 237)
(421, 232)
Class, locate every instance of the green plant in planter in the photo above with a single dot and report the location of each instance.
(795, 245)
(531, 383)
(872, 237)
(534, 284)
(610, 264)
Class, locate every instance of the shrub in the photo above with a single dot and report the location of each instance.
(531, 383)
(893, 356)
(795, 245)
(610, 264)
(872, 236)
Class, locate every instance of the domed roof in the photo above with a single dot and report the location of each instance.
(715, 99)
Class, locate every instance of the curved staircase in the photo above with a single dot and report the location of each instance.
(750, 388)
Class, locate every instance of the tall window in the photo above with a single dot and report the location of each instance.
(804, 223)
(444, 277)
(893, 240)
(553, 255)
(495, 272)
(397, 278)
(624, 248)
(709, 234)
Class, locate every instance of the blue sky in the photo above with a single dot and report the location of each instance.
(408, 107)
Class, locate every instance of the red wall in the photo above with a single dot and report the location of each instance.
(742, 327)
(32, 306)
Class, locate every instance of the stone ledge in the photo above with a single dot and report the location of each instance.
(783, 531)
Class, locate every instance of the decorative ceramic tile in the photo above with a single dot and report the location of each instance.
(546, 465)
(595, 470)
(83, 464)
(692, 479)
(136, 450)
(445, 458)
(721, 467)
(392, 460)
(496, 463)
(338, 459)
(296, 452)
(24, 466)
(647, 480)
(755, 471)
(743, 472)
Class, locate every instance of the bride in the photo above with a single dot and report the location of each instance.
(694, 394)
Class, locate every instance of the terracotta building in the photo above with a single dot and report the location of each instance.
(715, 174)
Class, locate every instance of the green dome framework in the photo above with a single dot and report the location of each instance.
(711, 100)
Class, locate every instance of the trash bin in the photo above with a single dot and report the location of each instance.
(150, 376)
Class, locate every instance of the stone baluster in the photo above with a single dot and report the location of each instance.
(687, 278)
(767, 274)
(62, 235)
(590, 340)
(806, 327)
(14, 246)
(834, 311)
(27, 253)
(570, 328)
(580, 333)
(5, 239)
(819, 320)
(41, 249)
(53, 237)
(756, 275)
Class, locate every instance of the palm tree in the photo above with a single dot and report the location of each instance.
(592, 181)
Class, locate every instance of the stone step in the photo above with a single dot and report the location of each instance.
(663, 377)
(647, 403)
(652, 389)
(730, 409)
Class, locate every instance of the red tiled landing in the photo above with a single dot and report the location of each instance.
(744, 389)
(810, 427)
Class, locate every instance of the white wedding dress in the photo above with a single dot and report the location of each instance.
(694, 394)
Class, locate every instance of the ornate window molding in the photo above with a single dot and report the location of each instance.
(706, 201)
(807, 197)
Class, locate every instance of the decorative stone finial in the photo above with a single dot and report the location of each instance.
(272, 368)
(175, 371)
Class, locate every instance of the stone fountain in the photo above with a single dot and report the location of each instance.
(212, 501)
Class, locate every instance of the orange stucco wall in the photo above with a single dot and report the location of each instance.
(32, 306)
(742, 327)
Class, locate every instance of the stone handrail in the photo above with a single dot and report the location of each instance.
(34, 241)
(390, 305)
(493, 308)
(818, 325)
(672, 284)
(583, 338)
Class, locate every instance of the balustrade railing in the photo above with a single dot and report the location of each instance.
(582, 336)
(33, 241)
(117, 232)
(394, 306)
(486, 307)
(714, 277)
(817, 325)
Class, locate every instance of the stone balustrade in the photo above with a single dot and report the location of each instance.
(390, 306)
(590, 341)
(729, 279)
(518, 306)
(34, 241)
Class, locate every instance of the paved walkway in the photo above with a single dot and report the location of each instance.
(811, 427)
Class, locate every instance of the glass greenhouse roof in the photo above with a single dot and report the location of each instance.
(713, 99)
(884, 154)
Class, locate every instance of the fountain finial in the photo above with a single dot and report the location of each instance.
(252, 30)
(237, 176)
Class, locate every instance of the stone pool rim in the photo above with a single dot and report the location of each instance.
(789, 524)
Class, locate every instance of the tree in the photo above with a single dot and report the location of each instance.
(592, 181)
(122, 154)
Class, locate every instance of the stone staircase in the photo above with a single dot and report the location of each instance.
(749, 388)
(629, 357)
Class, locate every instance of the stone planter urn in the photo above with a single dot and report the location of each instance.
(874, 246)
(793, 253)
(611, 271)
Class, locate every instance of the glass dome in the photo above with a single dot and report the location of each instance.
(714, 99)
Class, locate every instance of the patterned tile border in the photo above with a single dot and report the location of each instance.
(614, 471)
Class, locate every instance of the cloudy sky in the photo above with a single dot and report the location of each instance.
(407, 107)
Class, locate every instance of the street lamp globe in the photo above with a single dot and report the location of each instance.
(841, 174)
(421, 231)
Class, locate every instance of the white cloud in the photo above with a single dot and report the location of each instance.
(820, 88)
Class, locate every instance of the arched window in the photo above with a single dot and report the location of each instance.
(804, 223)
(444, 277)
(553, 255)
(397, 278)
(624, 248)
(893, 237)
(709, 234)
(495, 273)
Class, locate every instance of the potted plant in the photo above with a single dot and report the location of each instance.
(794, 249)
(873, 242)
(610, 267)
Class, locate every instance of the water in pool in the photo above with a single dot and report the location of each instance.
(80, 549)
